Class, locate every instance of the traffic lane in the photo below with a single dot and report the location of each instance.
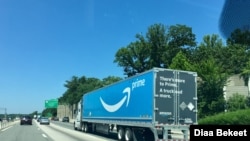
(175, 134)
(19, 132)
(68, 125)
(58, 133)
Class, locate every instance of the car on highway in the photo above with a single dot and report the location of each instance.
(44, 120)
(65, 119)
(26, 119)
(55, 118)
(38, 119)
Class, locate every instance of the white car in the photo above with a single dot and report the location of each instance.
(44, 120)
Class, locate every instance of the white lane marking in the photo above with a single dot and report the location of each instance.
(7, 128)
(61, 135)
(44, 135)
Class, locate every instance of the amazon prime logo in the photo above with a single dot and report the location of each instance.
(138, 83)
(115, 107)
(127, 92)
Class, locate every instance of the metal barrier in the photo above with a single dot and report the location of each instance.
(4, 124)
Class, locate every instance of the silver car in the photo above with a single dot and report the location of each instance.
(44, 120)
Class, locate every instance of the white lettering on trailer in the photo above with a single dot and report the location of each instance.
(170, 91)
(165, 113)
(170, 86)
(175, 80)
(138, 83)
(165, 96)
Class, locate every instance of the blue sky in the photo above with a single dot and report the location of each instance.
(43, 43)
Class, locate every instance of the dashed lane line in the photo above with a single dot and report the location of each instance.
(44, 135)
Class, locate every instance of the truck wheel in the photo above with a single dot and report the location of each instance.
(120, 134)
(128, 134)
(82, 127)
(86, 128)
(75, 126)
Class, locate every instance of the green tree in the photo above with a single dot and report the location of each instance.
(179, 38)
(236, 102)
(71, 91)
(239, 36)
(235, 58)
(76, 87)
(238, 51)
(211, 46)
(245, 73)
(181, 62)
(133, 58)
(110, 80)
(156, 38)
(49, 112)
(156, 49)
(248, 101)
(232, 57)
(210, 88)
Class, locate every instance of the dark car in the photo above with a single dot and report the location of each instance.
(55, 119)
(26, 120)
(65, 119)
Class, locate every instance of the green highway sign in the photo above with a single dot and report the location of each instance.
(53, 103)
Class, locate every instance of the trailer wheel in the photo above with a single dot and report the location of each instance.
(120, 134)
(148, 135)
(128, 134)
(93, 128)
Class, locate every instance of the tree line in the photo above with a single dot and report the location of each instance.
(175, 47)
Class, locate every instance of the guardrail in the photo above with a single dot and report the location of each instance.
(4, 124)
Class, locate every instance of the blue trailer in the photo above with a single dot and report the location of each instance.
(143, 107)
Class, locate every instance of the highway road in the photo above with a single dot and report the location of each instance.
(56, 131)
(52, 132)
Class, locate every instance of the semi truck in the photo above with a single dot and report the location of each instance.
(144, 107)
